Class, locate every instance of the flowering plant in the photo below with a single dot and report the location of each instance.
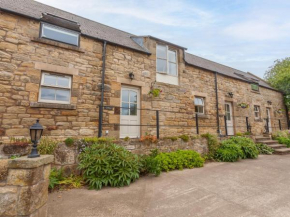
(243, 105)
(155, 92)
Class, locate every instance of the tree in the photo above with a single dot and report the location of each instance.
(278, 76)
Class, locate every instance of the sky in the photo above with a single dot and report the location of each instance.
(248, 35)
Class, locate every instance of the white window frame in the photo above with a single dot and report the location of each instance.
(203, 106)
(258, 111)
(57, 28)
(167, 61)
(54, 87)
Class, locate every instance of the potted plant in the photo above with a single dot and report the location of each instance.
(243, 105)
(155, 92)
(17, 146)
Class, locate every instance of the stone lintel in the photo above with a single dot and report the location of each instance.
(28, 163)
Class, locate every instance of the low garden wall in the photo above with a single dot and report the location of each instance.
(66, 157)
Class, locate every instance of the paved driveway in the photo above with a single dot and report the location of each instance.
(247, 188)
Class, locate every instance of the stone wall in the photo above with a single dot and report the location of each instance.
(24, 186)
(23, 57)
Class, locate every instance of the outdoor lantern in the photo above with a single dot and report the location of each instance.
(35, 135)
(269, 102)
(131, 75)
(231, 94)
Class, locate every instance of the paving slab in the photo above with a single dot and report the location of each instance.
(256, 188)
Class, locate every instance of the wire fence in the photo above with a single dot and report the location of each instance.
(181, 121)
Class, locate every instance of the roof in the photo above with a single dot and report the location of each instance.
(100, 31)
(224, 70)
(90, 28)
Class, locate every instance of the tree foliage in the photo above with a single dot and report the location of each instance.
(278, 76)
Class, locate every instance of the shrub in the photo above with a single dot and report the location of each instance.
(108, 165)
(184, 138)
(264, 149)
(247, 146)
(239, 134)
(57, 180)
(127, 138)
(88, 141)
(148, 138)
(46, 146)
(149, 163)
(213, 145)
(172, 138)
(229, 153)
(278, 134)
(285, 141)
(69, 141)
(179, 159)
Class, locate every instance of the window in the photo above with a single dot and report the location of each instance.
(55, 88)
(129, 102)
(59, 34)
(199, 105)
(166, 60)
(257, 111)
(255, 87)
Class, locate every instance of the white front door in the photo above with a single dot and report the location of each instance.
(268, 112)
(229, 118)
(130, 113)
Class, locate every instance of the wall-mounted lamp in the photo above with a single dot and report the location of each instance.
(231, 94)
(131, 75)
(269, 102)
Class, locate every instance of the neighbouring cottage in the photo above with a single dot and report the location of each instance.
(51, 68)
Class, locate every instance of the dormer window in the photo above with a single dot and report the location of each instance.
(60, 34)
(166, 60)
(255, 87)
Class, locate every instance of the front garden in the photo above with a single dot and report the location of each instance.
(102, 163)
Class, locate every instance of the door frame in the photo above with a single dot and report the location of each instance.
(138, 89)
(232, 118)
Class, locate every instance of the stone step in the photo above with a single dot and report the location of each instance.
(277, 146)
(268, 142)
(260, 139)
(282, 151)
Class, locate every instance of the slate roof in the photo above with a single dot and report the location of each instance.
(100, 31)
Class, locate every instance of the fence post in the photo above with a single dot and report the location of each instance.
(196, 123)
(157, 123)
(226, 129)
(280, 127)
(247, 123)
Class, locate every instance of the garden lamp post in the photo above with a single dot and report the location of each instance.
(35, 135)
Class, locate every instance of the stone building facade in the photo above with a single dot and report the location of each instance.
(26, 57)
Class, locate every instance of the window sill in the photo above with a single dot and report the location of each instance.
(257, 92)
(203, 116)
(258, 120)
(57, 44)
(52, 105)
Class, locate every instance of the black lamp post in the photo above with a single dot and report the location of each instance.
(35, 135)
(131, 75)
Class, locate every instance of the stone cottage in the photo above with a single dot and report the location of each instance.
(79, 76)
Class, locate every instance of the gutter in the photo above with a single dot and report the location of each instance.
(101, 107)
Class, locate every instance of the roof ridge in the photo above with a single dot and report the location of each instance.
(82, 17)
(217, 63)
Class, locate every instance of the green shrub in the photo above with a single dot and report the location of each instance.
(127, 138)
(108, 165)
(278, 134)
(264, 149)
(213, 144)
(172, 138)
(179, 159)
(285, 141)
(246, 144)
(239, 134)
(149, 163)
(94, 140)
(57, 180)
(185, 138)
(230, 153)
(69, 141)
(46, 145)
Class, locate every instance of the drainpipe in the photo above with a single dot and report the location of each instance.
(217, 103)
(287, 113)
(101, 108)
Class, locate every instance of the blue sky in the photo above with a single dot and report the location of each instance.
(245, 34)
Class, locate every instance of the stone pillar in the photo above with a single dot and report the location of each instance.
(25, 191)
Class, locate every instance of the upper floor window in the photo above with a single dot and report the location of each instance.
(255, 87)
(257, 111)
(166, 60)
(60, 34)
(55, 88)
(199, 105)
